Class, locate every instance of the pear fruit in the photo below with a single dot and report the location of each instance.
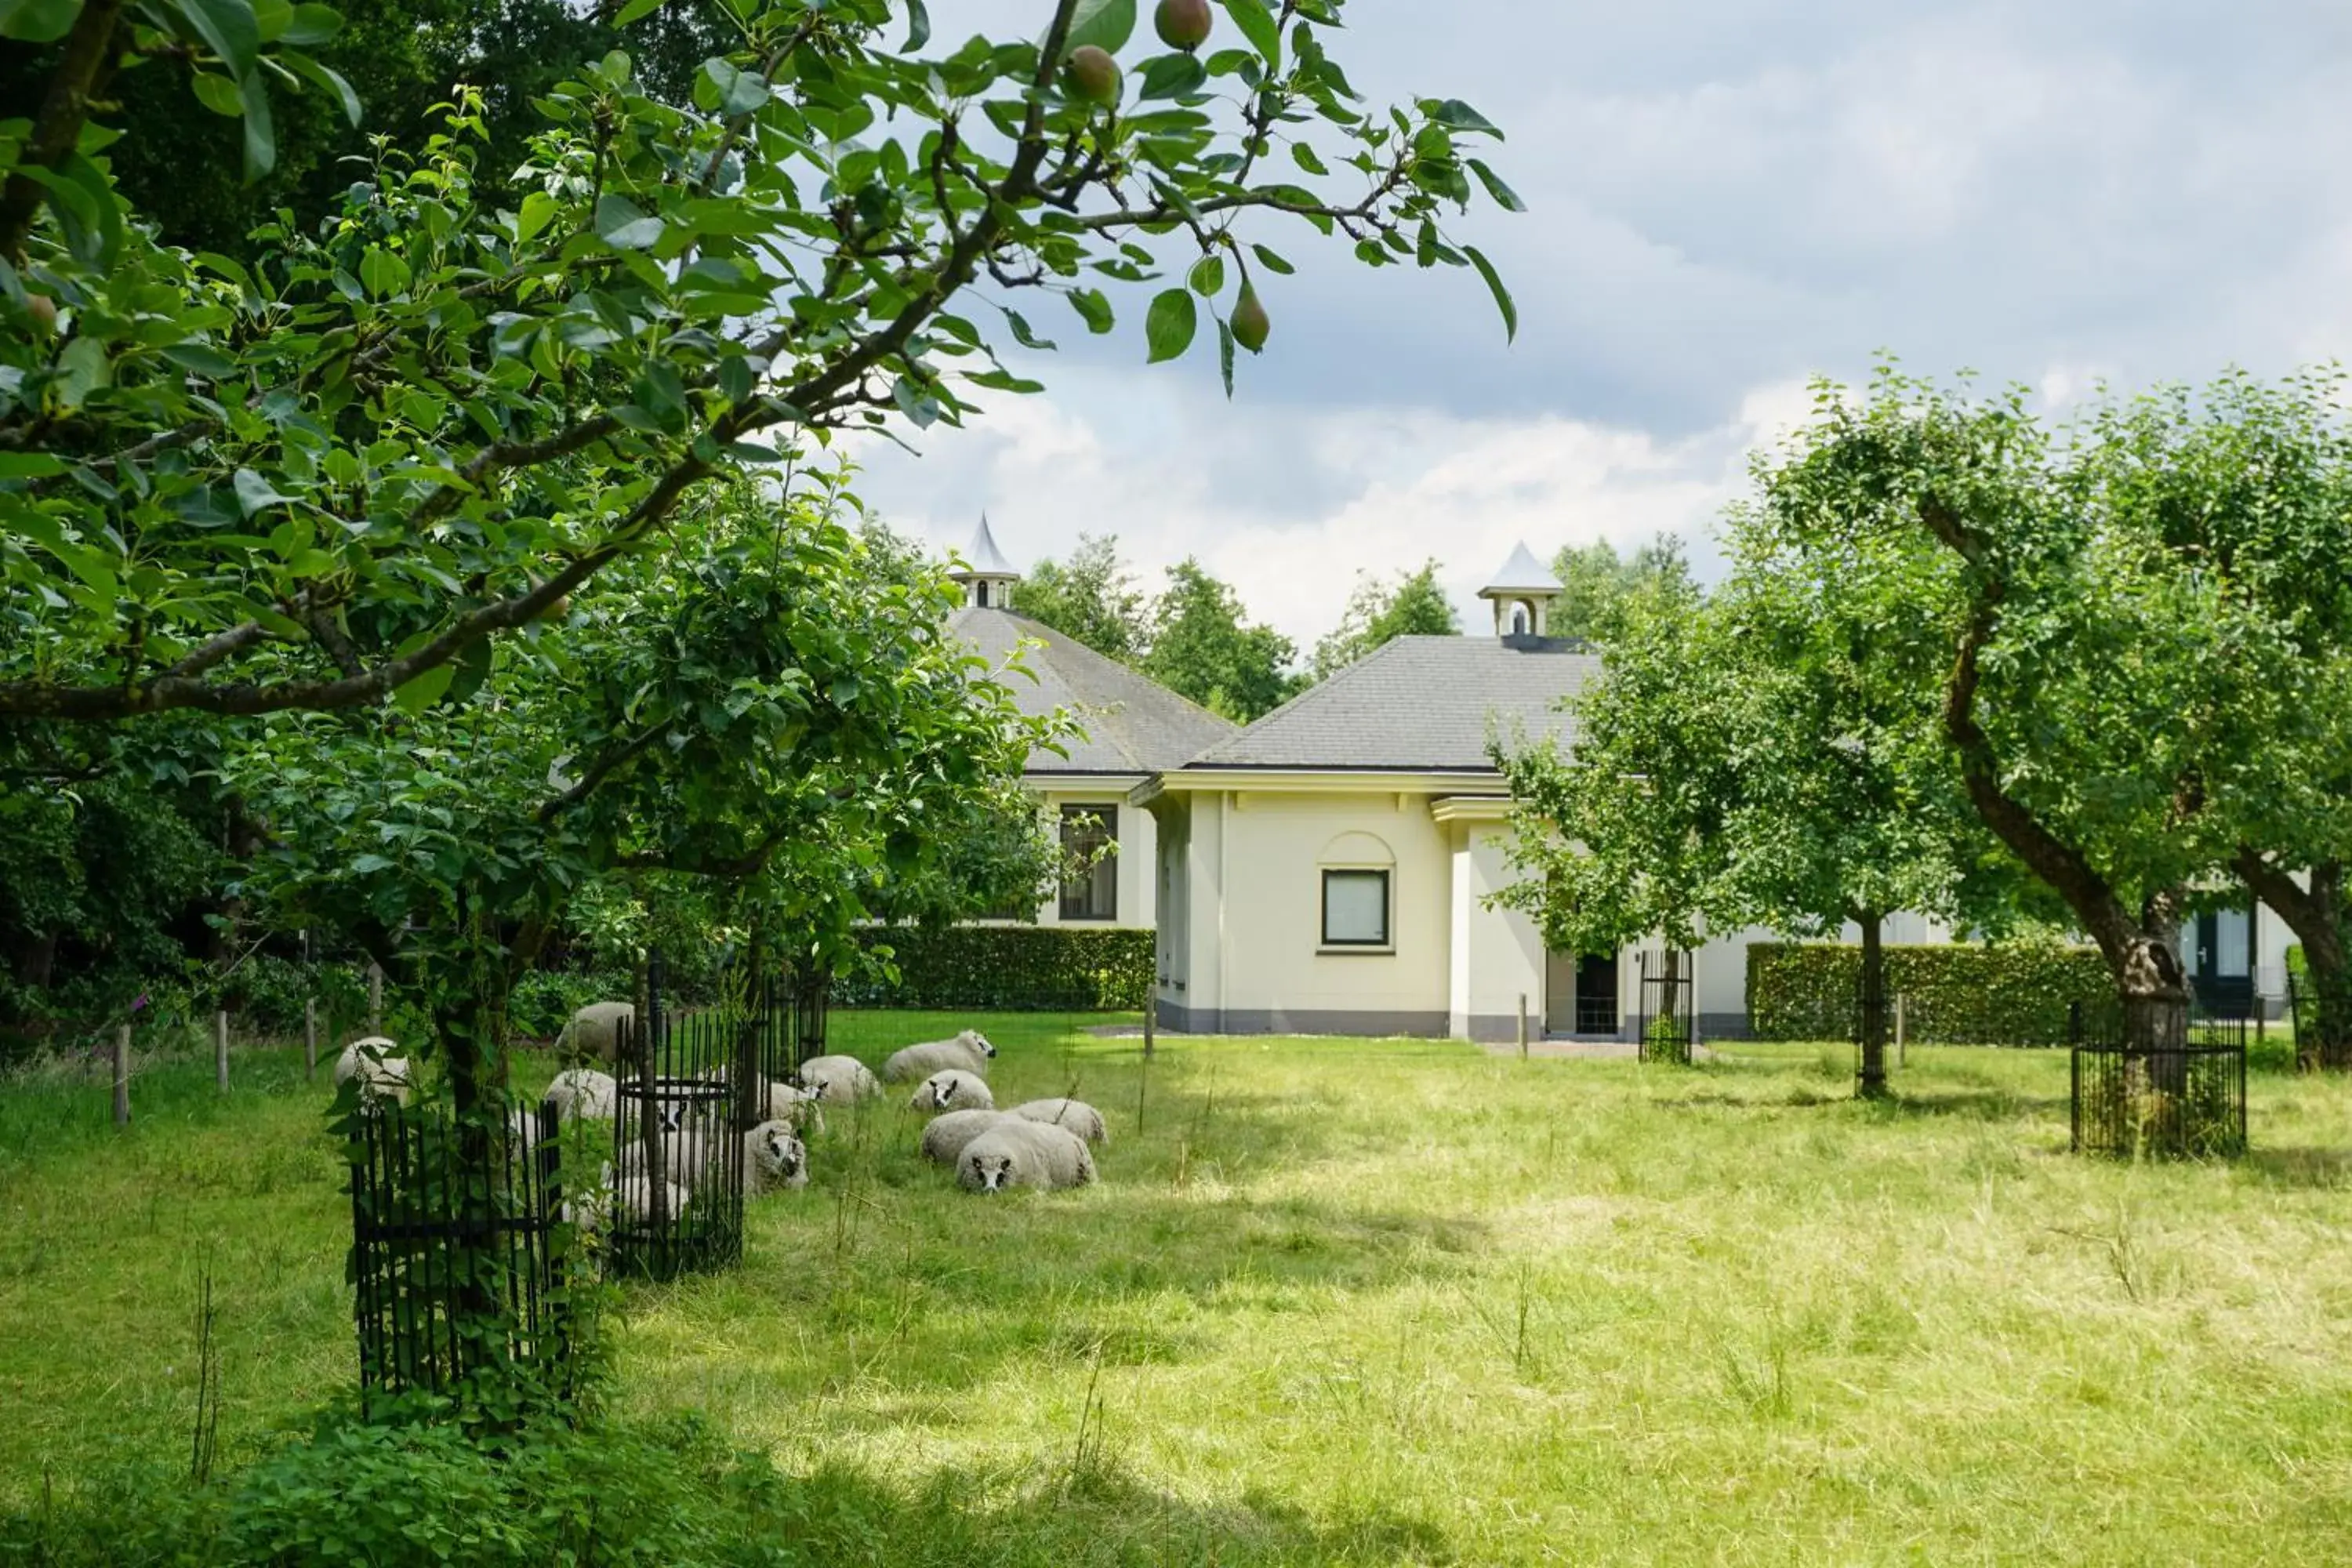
(1183, 23)
(1092, 74)
(44, 312)
(1249, 323)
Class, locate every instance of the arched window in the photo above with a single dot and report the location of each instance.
(980, 590)
(1519, 620)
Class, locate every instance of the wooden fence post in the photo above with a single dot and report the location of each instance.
(1523, 1025)
(220, 1050)
(375, 997)
(309, 1038)
(1150, 1022)
(122, 1074)
(1901, 1033)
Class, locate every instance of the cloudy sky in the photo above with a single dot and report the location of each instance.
(1726, 199)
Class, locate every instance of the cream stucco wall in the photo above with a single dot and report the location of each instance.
(1498, 954)
(1247, 954)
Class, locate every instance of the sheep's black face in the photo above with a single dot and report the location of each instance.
(669, 1115)
(995, 1173)
(980, 1041)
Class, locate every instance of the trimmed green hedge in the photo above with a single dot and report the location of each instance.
(1956, 994)
(1009, 967)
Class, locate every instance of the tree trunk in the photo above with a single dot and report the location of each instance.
(1873, 1084)
(2318, 916)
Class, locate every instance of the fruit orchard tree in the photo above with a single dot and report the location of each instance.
(335, 472)
(1091, 597)
(1380, 612)
(2107, 689)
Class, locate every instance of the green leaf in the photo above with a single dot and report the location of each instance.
(201, 359)
(217, 93)
(538, 209)
(29, 465)
(1258, 26)
(1505, 197)
(424, 691)
(625, 226)
(83, 368)
(1225, 356)
(37, 21)
(1094, 307)
(311, 25)
(229, 29)
(1495, 286)
(918, 28)
(1307, 158)
(740, 91)
(254, 493)
(1169, 325)
(1208, 276)
(636, 11)
(1005, 381)
(1022, 333)
(1456, 115)
(261, 136)
(384, 273)
(1272, 261)
(1105, 24)
(327, 78)
(1172, 76)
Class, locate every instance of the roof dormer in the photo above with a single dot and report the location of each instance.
(986, 576)
(1522, 593)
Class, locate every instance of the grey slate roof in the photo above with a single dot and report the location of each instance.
(981, 558)
(1418, 704)
(1133, 724)
(1522, 574)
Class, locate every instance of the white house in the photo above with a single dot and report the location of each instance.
(1329, 869)
(1132, 729)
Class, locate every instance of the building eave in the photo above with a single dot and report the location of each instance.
(1327, 781)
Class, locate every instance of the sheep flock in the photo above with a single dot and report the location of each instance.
(1042, 1144)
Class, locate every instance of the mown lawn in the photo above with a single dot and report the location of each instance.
(1353, 1300)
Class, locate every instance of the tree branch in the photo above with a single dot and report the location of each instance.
(81, 74)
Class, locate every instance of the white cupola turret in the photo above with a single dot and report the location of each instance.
(987, 577)
(1522, 593)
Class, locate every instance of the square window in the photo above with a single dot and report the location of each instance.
(1355, 909)
(1090, 845)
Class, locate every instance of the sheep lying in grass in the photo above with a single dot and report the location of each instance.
(968, 1051)
(1074, 1114)
(583, 1092)
(953, 1089)
(1018, 1152)
(800, 1109)
(594, 1030)
(944, 1137)
(841, 1080)
(773, 1157)
(629, 1196)
(380, 1075)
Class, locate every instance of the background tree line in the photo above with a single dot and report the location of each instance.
(1195, 638)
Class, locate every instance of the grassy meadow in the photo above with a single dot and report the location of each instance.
(1347, 1300)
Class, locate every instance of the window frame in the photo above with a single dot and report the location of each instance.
(1100, 878)
(1386, 941)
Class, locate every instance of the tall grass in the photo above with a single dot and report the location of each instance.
(1352, 1301)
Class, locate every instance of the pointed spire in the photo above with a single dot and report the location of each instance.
(1521, 593)
(986, 575)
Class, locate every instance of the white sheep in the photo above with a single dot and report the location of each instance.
(1074, 1114)
(773, 1157)
(944, 1137)
(583, 1092)
(841, 1080)
(968, 1051)
(594, 1031)
(627, 1193)
(1018, 1152)
(800, 1109)
(380, 1075)
(953, 1089)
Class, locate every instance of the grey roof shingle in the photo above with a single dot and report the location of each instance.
(1418, 704)
(1133, 724)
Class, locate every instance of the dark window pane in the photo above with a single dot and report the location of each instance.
(1090, 843)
